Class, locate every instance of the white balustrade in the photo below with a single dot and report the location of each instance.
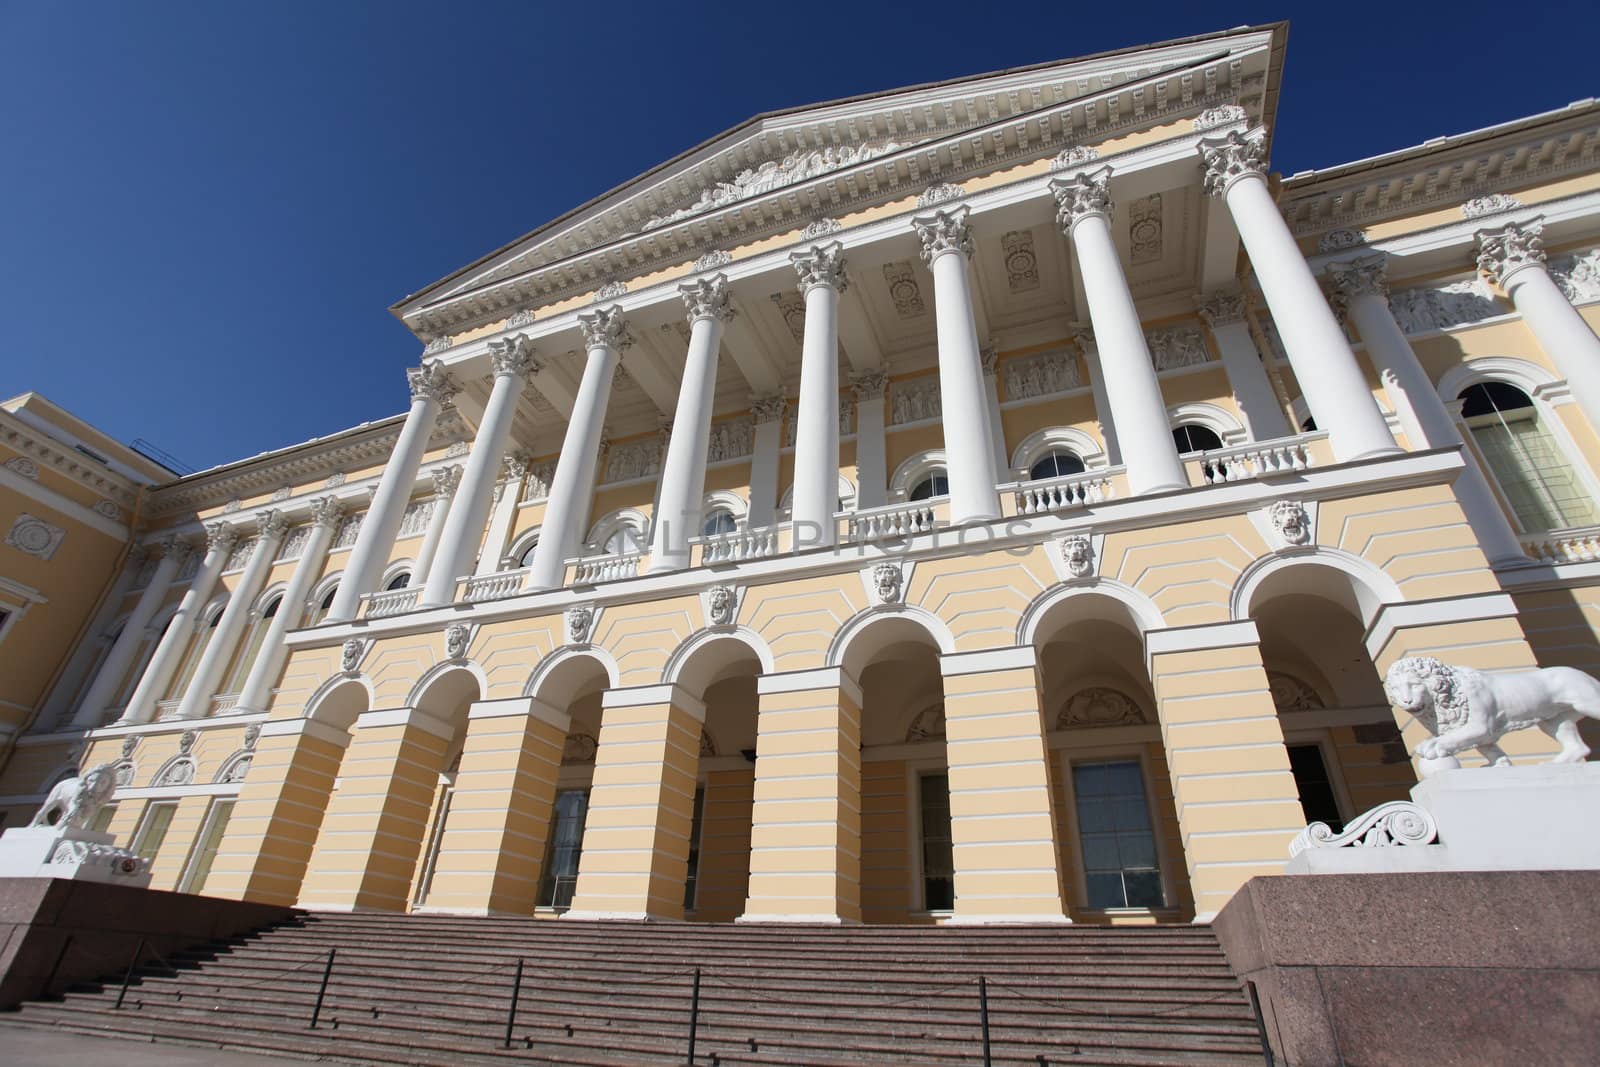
(1578, 545)
(382, 605)
(224, 703)
(893, 520)
(167, 710)
(1259, 459)
(1062, 494)
(496, 586)
(740, 545)
(594, 569)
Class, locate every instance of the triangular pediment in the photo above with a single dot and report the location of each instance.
(780, 171)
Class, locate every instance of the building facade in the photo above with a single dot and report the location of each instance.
(995, 500)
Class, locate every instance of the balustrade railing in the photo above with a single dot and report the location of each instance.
(1259, 459)
(593, 569)
(389, 602)
(496, 586)
(167, 710)
(739, 545)
(1577, 545)
(1062, 494)
(892, 520)
(224, 703)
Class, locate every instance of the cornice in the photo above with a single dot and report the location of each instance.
(43, 450)
(949, 155)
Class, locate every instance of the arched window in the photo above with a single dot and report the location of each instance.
(532, 549)
(935, 484)
(1191, 438)
(197, 648)
(1056, 463)
(718, 521)
(1530, 467)
(251, 647)
(399, 581)
(325, 605)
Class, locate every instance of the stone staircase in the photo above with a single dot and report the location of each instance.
(436, 990)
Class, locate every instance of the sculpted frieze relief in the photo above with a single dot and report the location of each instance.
(775, 174)
(730, 439)
(1177, 346)
(633, 459)
(1578, 275)
(1042, 375)
(915, 400)
(1440, 307)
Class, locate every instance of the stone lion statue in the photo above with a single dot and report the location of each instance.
(1465, 708)
(72, 804)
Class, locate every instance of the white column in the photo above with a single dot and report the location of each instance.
(1513, 257)
(1223, 312)
(765, 450)
(816, 439)
(256, 691)
(445, 480)
(1330, 379)
(1084, 212)
(115, 666)
(219, 651)
(507, 497)
(1084, 337)
(683, 473)
(512, 361)
(430, 388)
(1364, 289)
(174, 643)
(990, 359)
(566, 511)
(872, 453)
(946, 247)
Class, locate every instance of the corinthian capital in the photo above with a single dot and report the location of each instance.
(1503, 252)
(177, 549)
(272, 524)
(944, 231)
(1082, 196)
(326, 511)
(513, 357)
(822, 265)
(1227, 159)
(604, 328)
(768, 408)
(1223, 307)
(1366, 275)
(430, 382)
(445, 480)
(706, 298)
(870, 384)
(220, 537)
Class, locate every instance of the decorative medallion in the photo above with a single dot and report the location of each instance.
(1291, 520)
(35, 537)
(722, 603)
(24, 466)
(793, 310)
(1291, 694)
(1144, 229)
(927, 725)
(350, 654)
(888, 583)
(1022, 263)
(579, 619)
(1100, 706)
(1077, 552)
(904, 289)
(456, 637)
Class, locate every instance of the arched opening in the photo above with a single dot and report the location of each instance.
(935, 484)
(1121, 849)
(1057, 463)
(250, 647)
(574, 685)
(399, 581)
(324, 605)
(1192, 437)
(1345, 751)
(435, 762)
(717, 521)
(1532, 470)
(197, 648)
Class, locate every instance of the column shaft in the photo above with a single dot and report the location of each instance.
(180, 628)
(256, 692)
(117, 662)
(566, 512)
(816, 451)
(430, 387)
(469, 510)
(872, 453)
(196, 703)
(946, 247)
(683, 473)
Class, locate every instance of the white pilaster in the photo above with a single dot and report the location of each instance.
(1364, 289)
(430, 388)
(219, 651)
(445, 480)
(946, 248)
(872, 455)
(1513, 256)
(816, 444)
(91, 711)
(1084, 212)
(1084, 337)
(512, 362)
(174, 642)
(683, 473)
(767, 413)
(508, 494)
(991, 410)
(1330, 379)
(566, 512)
(1223, 312)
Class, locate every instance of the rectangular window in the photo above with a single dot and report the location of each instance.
(1538, 481)
(565, 849)
(1119, 846)
(1311, 778)
(938, 856)
(153, 830)
(696, 827)
(102, 819)
(205, 852)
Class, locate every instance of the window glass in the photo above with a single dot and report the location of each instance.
(623, 541)
(1530, 467)
(696, 828)
(938, 855)
(153, 830)
(1317, 799)
(1057, 464)
(935, 484)
(102, 819)
(1119, 850)
(399, 581)
(205, 853)
(565, 849)
(326, 605)
(719, 521)
(1195, 439)
(526, 559)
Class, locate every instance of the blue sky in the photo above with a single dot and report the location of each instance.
(207, 208)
